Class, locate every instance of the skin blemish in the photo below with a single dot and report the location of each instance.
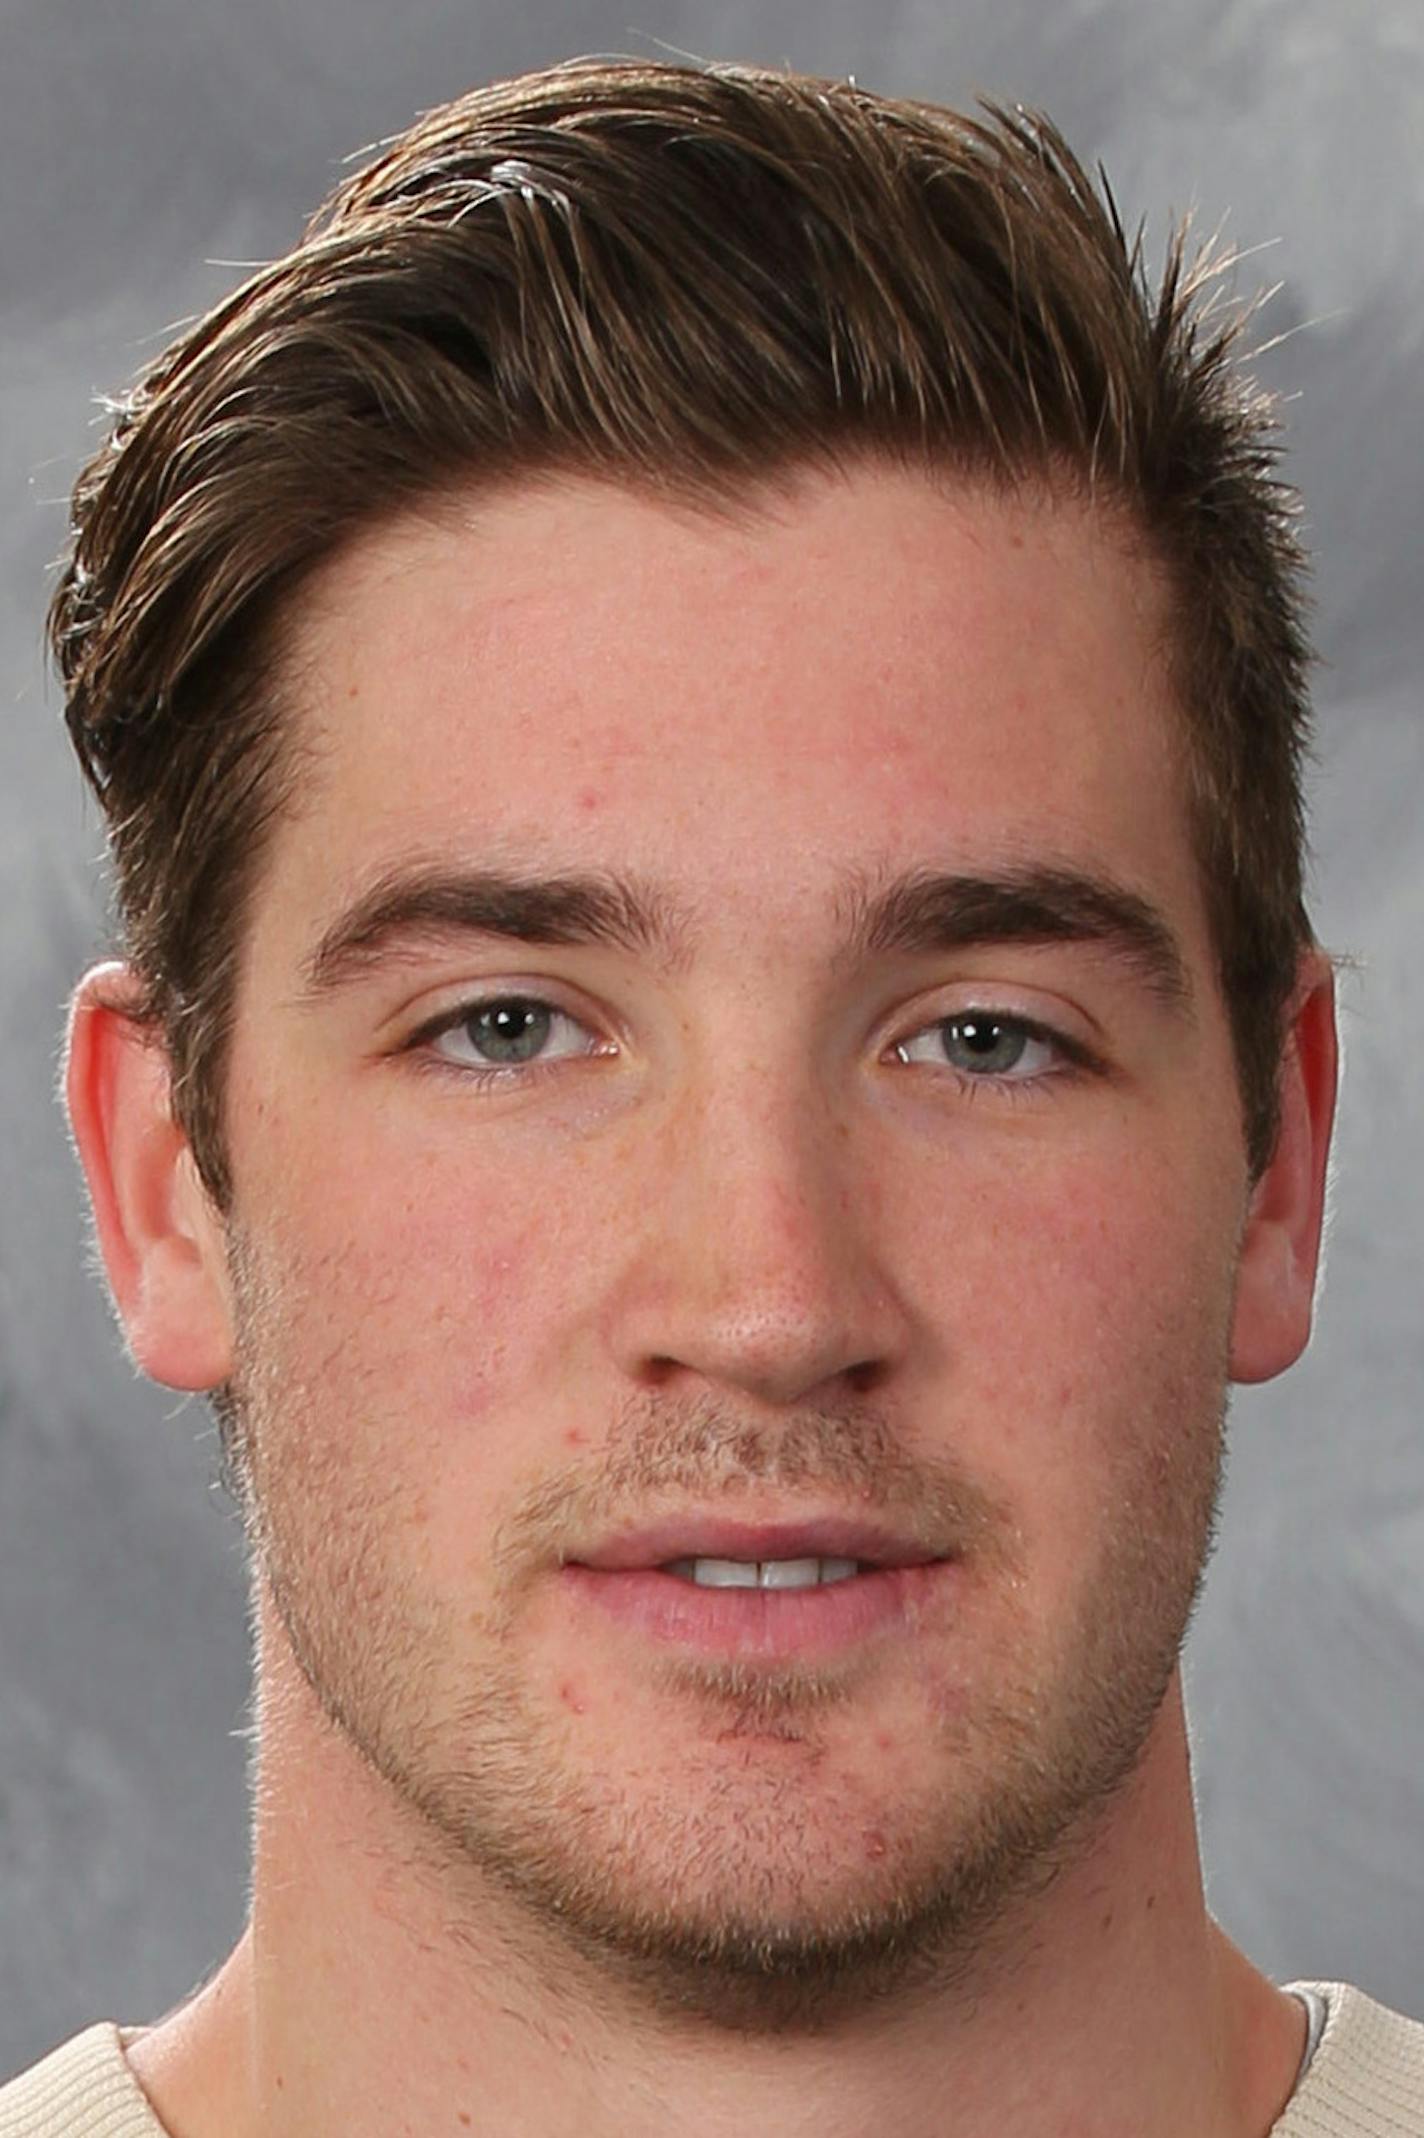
(575, 1437)
(571, 1697)
(874, 1843)
(589, 798)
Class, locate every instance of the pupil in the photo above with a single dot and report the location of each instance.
(511, 1031)
(984, 1043)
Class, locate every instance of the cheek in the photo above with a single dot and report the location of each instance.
(403, 1315)
(1098, 1246)
(1082, 1313)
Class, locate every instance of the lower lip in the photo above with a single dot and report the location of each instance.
(760, 1622)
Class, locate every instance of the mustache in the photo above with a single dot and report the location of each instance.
(667, 1455)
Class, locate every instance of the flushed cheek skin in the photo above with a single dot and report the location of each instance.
(748, 1266)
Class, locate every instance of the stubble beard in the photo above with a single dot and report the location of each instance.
(727, 1906)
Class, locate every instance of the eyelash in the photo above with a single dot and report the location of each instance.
(1072, 1058)
(422, 1042)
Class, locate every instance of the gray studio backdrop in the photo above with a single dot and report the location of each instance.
(146, 148)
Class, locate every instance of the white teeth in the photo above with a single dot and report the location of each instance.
(762, 1574)
(790, 1573)
(725, 1573)
(839, 1569)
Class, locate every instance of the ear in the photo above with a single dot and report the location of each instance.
(1280, 1251)
(160, 1236)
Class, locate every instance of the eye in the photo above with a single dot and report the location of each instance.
(507, 1032)
(987, 1045)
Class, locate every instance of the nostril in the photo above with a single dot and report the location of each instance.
(865, 1377)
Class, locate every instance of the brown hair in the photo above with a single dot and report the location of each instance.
(685, 278)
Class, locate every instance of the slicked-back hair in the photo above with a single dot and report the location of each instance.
(689, 280)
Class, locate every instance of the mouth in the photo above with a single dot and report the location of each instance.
(761, 1590)
(763, 1573)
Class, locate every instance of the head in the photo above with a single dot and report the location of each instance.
(682, 280)
(762, 552)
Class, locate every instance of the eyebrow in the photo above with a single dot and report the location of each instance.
(929, 911)
(917, 914)
(432, 903)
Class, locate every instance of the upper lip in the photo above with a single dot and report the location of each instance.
(701, 1536)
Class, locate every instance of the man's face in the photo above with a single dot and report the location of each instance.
(727, 1076)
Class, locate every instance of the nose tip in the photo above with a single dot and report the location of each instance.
(774, 1364)
(763, 1286)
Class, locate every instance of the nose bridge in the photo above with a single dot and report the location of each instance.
(772, 1164)
(757, 1272)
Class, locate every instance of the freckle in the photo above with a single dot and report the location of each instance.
(1151, 1901)
(1106, 1923)
(464, 2118)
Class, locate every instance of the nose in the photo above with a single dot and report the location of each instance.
(755, 1270)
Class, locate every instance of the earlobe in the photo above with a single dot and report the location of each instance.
(160, 1237)
(1280, 1252)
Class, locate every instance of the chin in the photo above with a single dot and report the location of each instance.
(771, 1906)
(763, 1873)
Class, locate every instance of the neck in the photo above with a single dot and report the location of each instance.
(376, 1990)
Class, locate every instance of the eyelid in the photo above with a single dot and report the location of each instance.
(1075, 1056)
(1049, 1018)
(1046, 1042)
(462, 1007)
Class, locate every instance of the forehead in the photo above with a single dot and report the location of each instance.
(850, 672)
